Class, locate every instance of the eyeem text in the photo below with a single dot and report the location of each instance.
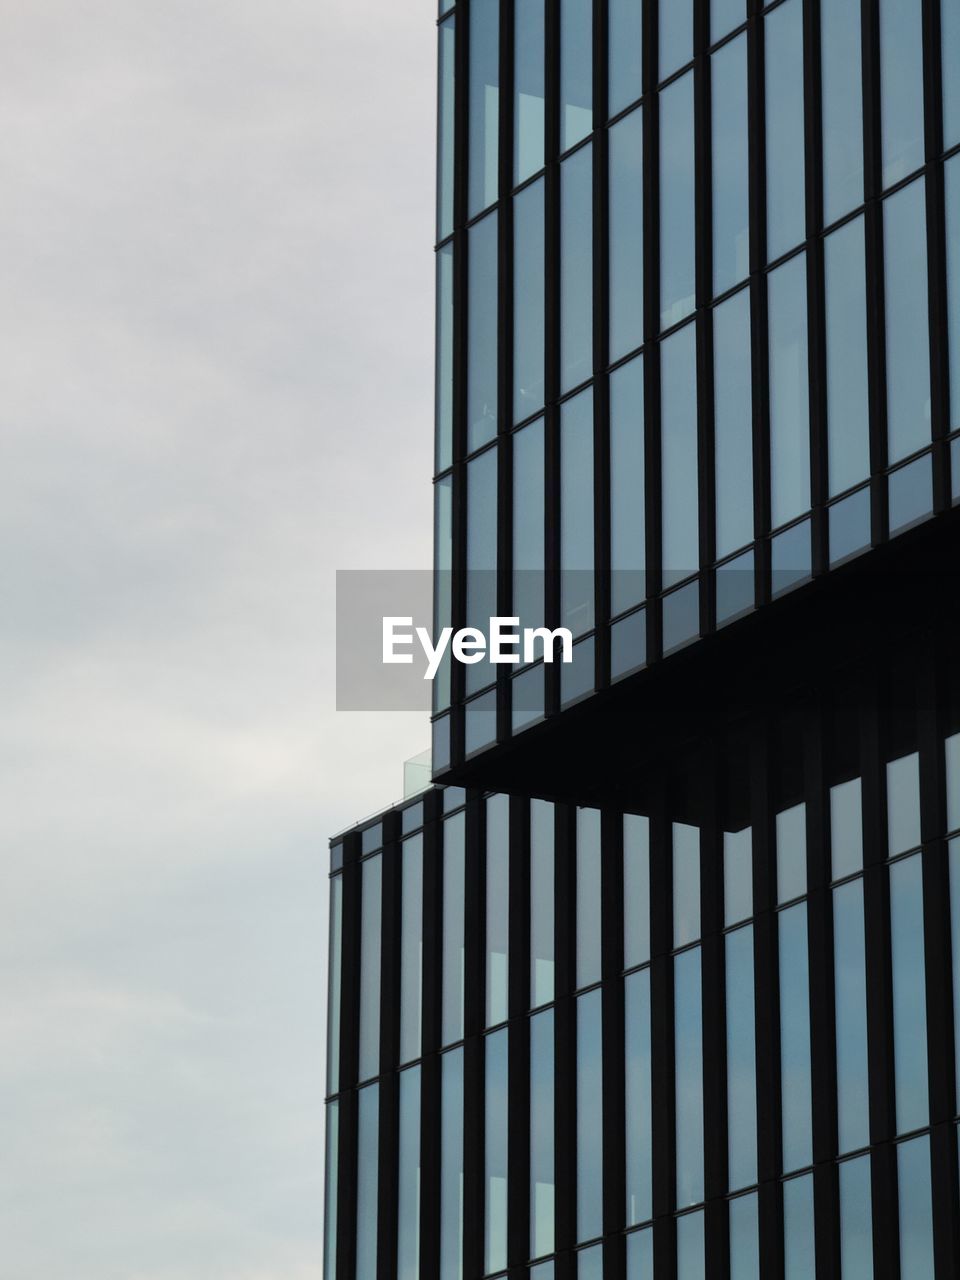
(469, 645)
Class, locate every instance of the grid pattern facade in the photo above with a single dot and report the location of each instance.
(698, 335)
(715, 1039)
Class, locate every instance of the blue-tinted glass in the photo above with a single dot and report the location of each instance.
(795, 1039)
(541, 902)
(951, 173)
(786, 220)
(791, 853)
(908, 341)
(454, 906)
(638, 1109)
(950, 57)
(442, 598)
(411, 818)
(627, 470)
(916, 1210)
(741, 1060)
(408, 1180)
(628, 644)
(679, 453)
(588, 896)
(542, 1165)
(731, 214)
(444, 357)
(543, 1272)
(625, 44)
(640, 1255)
(576, 513)
(846, 828)
(453, 798)
(440, 744)
(481, 585)
(331, 1189)
(482, 333)
(529, 92)
(856, 1220)
(789, 388)
(411, 947)
(681, 617)
(690, 1253)
(370, 969)
(955, 469)
(850, 986)
(484, 82)
(578, 677)
(737, 875)
(909, 994)
(688, 1059)
(842, 107)
(798, 1251)
(952, 752)
(850, 526)
(445, 128)
(495, 1152)
(528, 525)
(590, 1263)
(334, 984)
(954, 857)
(576, 268)
(368, 1164)
(724, 16)
(576, 71)
(911, 494)
(901, 83)
(733, 423)
(686, 884)
(790, 558)
(589, 1117)
(451, 1166)
(372, 838)
(528, 698)
(675, 24)
(498, 907)
(480, 722)
(735, 588)
(903, 804)
(677, 243)
(636, 890)
(626, 234)
(744, 1239)
(528, 304)
(848, 409)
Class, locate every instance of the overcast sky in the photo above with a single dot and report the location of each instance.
(215, 389)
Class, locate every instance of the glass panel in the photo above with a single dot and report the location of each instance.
(733, 425)
(790, 560)
(741, 1060)
(368, 1163)
(576, 513)
(453, 798)
(677, 243)
(454, 904)
(626, 234)
(576, 71)
(786, 218)
(370, 969)
(451, 1166)
(529, 94)
(442, 602)
(639, 1106)
(690, 1255)
(636, 890)
(850, 526)
(588, 896)
(850, 986)
(331, 1191)
(842, 107)
(681, 617)
(578, 677)
(856, 1220)
(334, 984)
(954, 857)
(798, 1251)
(411, 818)
(731, 214)
(495, 1152)
(590, 1263)
(628, 645)
(484, 104)
(676, 35)
(528, 697)
(589, 1117)
(480, 721)
(686, 884)
(408, 1180)
(498, 907)
(640, 1255)
(952, 753)
(678, 391)
(916, 1210)
(950, 59)
(795, 1078)
(909, 994)
(625, 45)
(951, 171)
(543, 1272)
(846, 828)
(903, 804)
(444, 358)
(481, 584)
(627, 472)
(744, 1239)
(445, 127)
(440, 744)
(908, 341)
(541, 902)
(528, 303)
(411, 948)
(542, 1166)
(735, 588)
(688, 1058)
(901, 81)
(371, 838)
(848, 410)
(789, 389)
(576, 268)
(482, 333)
(911, 494)
(737, 875)
(724, 16)
(792, 853)
(528, 525)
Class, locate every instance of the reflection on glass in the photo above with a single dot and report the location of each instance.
(408, 1180)
(745, 1238)
(627, 472)
(856, 1220)
(798, 1252)
(679, 455)
(901, 87)
(846, 828)
(542, 1168)
(411, 947)
(444, 358)
(686, 884)
(908, 341)
(783, 57)
(848, 410)
(445, 127)
(331, 1191)
(909, 994)
(334, 984)
(589, 1117)
(638, 1109)
(626, 234)
(495, 1152)
(691, 1264)
(482, 333)
(529, 92)
(451, 1166)
(368, 1164)
(636, 890)
(688, 1059)
(576, 71)
(576, 268)
(789, 390)
(498, 907)
(588, 896)
(677, 243)
(731, 215)
(737, 875)
(541, 902)
(916, 1210)
(903, 804)
(528, 301)
(528, 524)
(676, 36)
(454, 906)
(792, 853)
(795, 1078)
(484, 81)
(370, 969)
(576, 513)
(741, 1060)
(625, 46)
(842, 107)
(733, 422)
(850, 987)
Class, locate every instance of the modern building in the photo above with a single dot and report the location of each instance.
(660, 980)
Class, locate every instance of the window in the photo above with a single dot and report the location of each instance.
(688, 1059)
(589, 1116)
(625, 44)
(789, 391)
(676, 36)
(901, 85)
(626, 234)
(733, 423)
(638, 1103)
(444, 358)
(731, 217)
(677, 187)
(850, 987)
(334, 984)
(842, 107)
(576, 268)
(482, 333)
(741, 1060)
(576, 71)
(690, 1247)
(903, 804)
(636, 890)
(679, 455)
(451, 1166)
(724, 16)
(745, 1238)
(737, 875)
(627, 478)
(954, 857)
(484, 82)
(791, 853)
(786, 220)
(495, 1152)
(481, 585)
(848, 408)
(916, 1210)
(542, 1174)
(528, 525)
(909, 994)
(856, 1220)
(576, 513)
(951, 172)
(795, 1076)
(541, 902)
(528, 301)
(950, 58)
(498, 908)
(908, 341)
(846, 828)
(640, 1255)
(330, 1191)
(686, 884)
(454, 900)
(445, 127)
(411, 947)
(529, 93)
(368, 1164)
(798, 1253)
(408, 1179)
(442, 604)
(370, 968)
(588, 897)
